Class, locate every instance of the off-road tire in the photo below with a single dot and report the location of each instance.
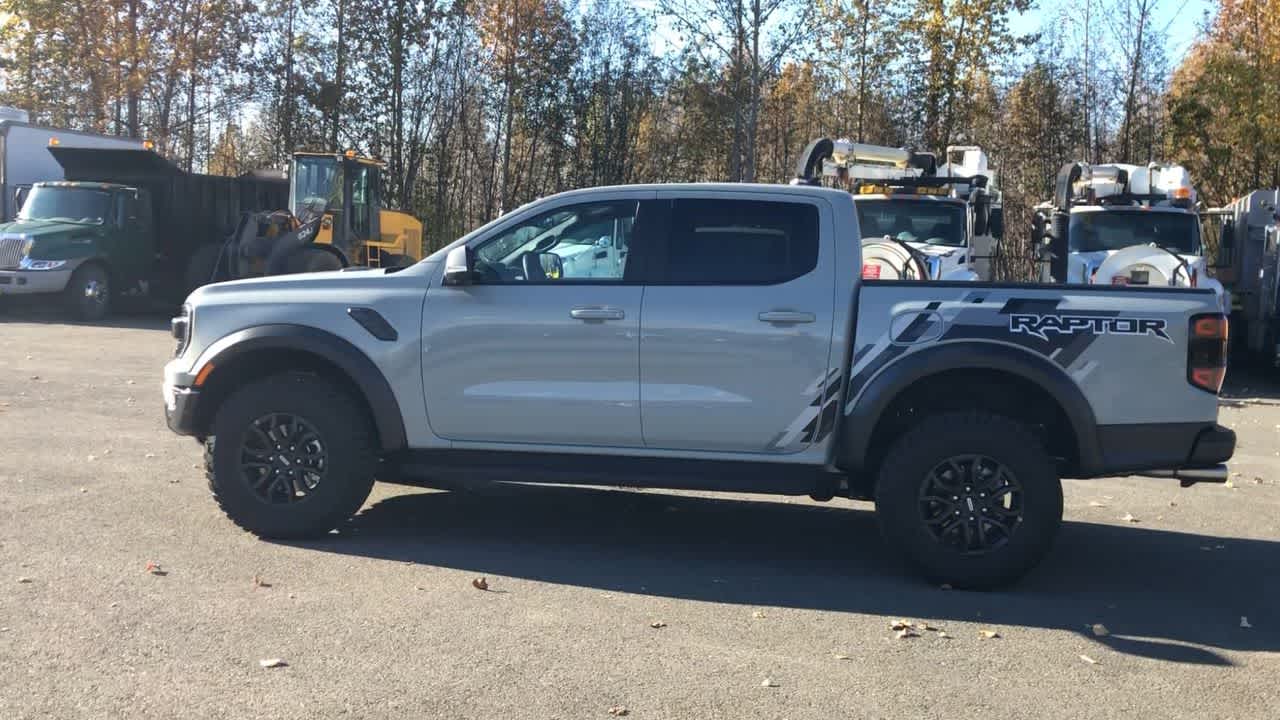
(88, 293)
(344, 429)
(900, 508)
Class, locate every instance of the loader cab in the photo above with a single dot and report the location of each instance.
(346, 190)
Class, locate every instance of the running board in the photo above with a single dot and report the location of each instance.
(1190, 476)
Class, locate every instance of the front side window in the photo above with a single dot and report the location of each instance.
(926, 221)
(579, 242)
(317, 184)
(1119, 229)
(740, 242)
(67, 204)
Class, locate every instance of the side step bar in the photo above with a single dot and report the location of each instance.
(1190, 476)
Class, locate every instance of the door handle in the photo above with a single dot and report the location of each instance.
(583, 312)
(786, 317)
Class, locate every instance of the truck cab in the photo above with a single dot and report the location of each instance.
(85, 241)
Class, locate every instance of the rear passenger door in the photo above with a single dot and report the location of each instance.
(736, 324)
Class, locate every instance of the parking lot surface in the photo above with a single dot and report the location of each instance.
(125, 593)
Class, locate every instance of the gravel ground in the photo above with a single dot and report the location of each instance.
(383, 621)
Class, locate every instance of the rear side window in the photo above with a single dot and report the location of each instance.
(739, 242)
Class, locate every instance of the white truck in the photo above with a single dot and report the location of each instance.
(25, 158)
(1120, 224)
(1248, 233)
(920, 221)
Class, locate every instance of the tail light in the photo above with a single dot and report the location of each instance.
(1207, 351)
(870, 271)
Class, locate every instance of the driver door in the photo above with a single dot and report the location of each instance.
(548, 359)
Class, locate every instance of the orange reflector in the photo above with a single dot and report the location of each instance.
(203, 374)
(1209, 378)
(54, 142)
(1210, 327)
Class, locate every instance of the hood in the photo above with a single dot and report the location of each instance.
(38, 229)
(308, 286)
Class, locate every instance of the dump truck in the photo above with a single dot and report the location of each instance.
(126, 222)
(1248, 232)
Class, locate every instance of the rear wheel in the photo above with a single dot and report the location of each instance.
(970, 498)
(88, 293)
(291, 456)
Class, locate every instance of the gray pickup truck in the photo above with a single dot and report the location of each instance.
(710, 337)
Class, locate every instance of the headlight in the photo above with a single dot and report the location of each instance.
(180, 327)
(27, 263)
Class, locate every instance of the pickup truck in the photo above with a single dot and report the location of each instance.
(720, 339)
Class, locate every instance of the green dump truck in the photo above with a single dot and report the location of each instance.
(126, 222)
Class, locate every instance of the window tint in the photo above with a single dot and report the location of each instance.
(740, 242)
(590, 241)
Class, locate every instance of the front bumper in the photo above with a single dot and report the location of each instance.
(180, 409)
(33, 282)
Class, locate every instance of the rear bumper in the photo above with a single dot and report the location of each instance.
(33, 282)
(1165, 447)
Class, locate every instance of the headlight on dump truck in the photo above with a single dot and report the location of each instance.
(27, 263)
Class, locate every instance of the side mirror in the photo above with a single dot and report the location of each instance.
(542, 266)
(1037, 228)
(981, 216)
(995, 223)
(459, 266)
(19, 198)
(1226, 244)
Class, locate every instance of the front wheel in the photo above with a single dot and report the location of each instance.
(291, 456)
(970, 498)
(88, 293)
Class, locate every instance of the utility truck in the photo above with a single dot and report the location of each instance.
(733, 347)
(1119, 224)
(920, 221)
(1248, 230)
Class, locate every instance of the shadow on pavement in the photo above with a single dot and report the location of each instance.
(1251, 383)
(148, 318)
(1160, 593)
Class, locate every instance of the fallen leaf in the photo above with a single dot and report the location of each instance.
(900, 624)
(923, 626)
(4, 629)
(1230, 484)
(907, 632)
(1128, 517)
(1100, 630)
(656, 624)
(1173, 504)
(768, 682)
(1244, 622)
(128, 382)
(1088, 659)
(107, 451)
(1257, 480)
(258, 583)
(988, 634)
(84, 490)
(1095, 503)
(758, 614)
(154, 569)
(840, 656)
(619, 711)
(149, 455)
(91, 458)
(480, 583)
(273, 663)
(24, 580)
(943, 634)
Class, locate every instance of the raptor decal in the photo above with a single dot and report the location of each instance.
(1042, 325)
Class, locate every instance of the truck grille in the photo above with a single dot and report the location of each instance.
(10, 251)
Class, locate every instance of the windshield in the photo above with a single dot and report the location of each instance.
(1119, 229)
(317, 184)
(926, 221)
(68, 204)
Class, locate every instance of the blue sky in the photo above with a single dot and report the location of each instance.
(1182, 18)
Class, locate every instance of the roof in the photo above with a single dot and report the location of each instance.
(83, 184)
